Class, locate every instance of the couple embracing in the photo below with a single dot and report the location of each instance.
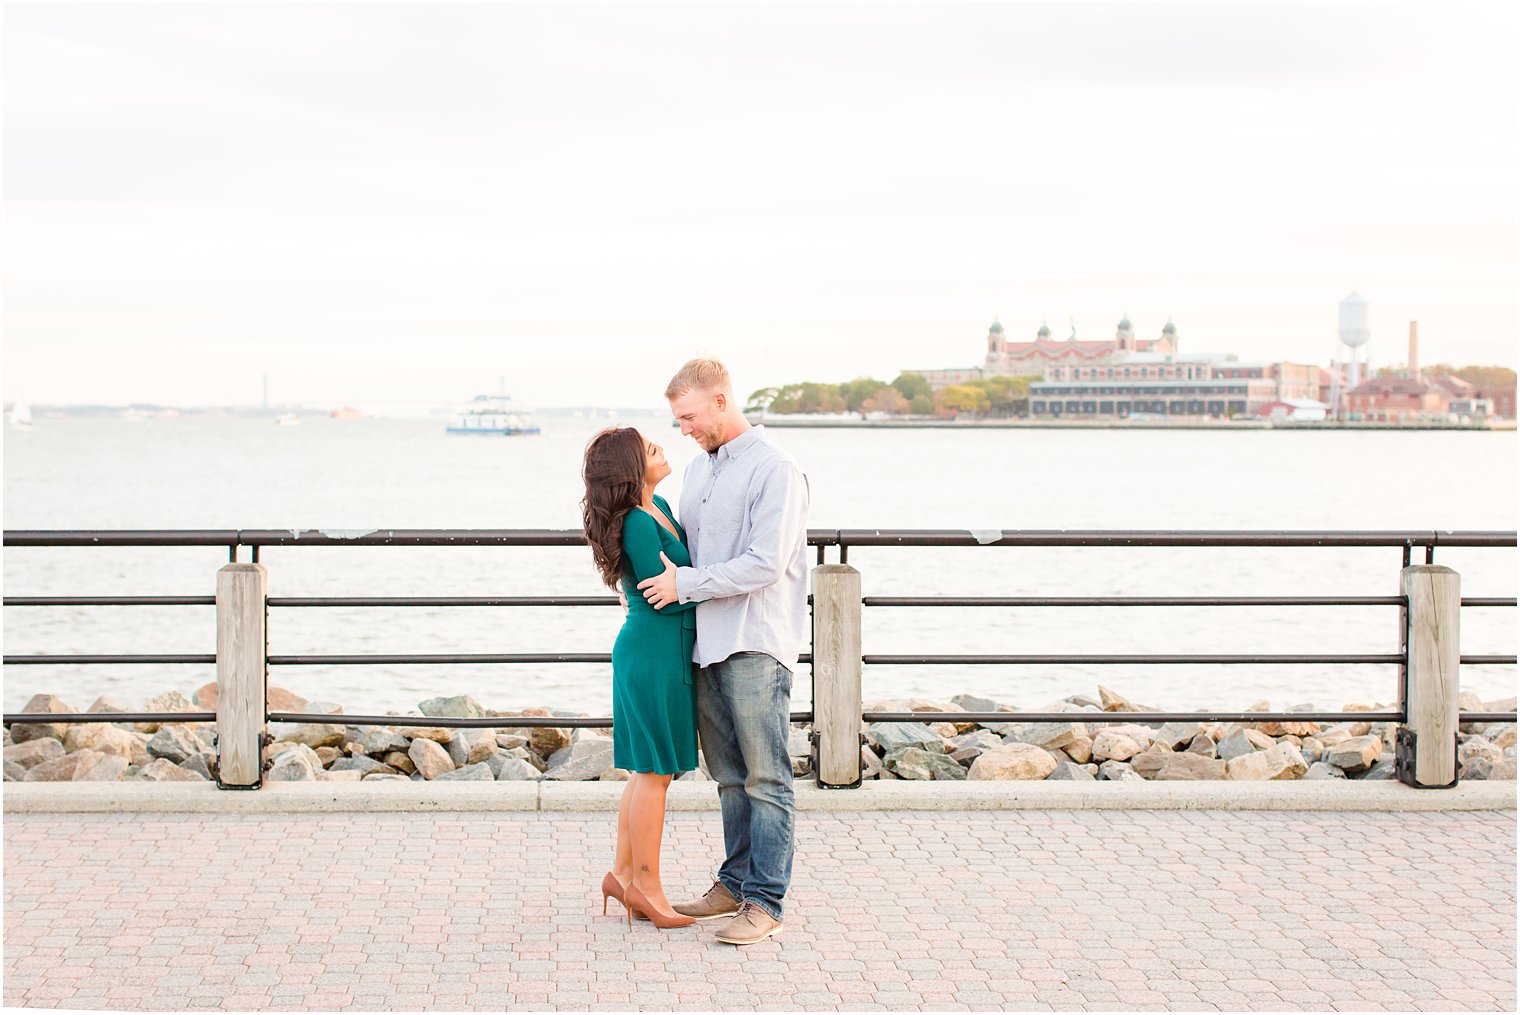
(717, 616)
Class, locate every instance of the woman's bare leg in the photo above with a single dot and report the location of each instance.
(622, 862)
(647, 827)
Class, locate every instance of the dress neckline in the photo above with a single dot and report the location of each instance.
(671, 528)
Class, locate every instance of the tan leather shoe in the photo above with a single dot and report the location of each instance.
(717, 903)
(751, 925)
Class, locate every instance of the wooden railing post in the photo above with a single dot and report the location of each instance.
(240, 675)
(1426, 752)
(836, 675)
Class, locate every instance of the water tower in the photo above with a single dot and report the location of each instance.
(1355, 334)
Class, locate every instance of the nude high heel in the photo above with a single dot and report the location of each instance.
(632, 898)
(611, 890)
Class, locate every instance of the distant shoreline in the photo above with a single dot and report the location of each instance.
(782, 422)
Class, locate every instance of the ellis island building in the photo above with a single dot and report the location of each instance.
(1127, 376)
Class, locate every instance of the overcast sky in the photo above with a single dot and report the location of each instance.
(406, 203)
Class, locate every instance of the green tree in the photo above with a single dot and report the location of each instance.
(857, 391)
(761, 401)
(921, 405)
(961, 398)
(913, 385)
(1008, 396)
(885, 399)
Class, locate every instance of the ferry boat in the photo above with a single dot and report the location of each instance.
(21, 416)
(287, 419)
(346, 412)
(493, 414)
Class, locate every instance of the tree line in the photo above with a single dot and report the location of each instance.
(1485, 378)
(908, 395)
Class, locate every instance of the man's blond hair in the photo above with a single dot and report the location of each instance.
(699, 374)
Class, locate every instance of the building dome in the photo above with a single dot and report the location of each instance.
(997, 327)
(1044, 331)
(1170, 329)
(1124, 323)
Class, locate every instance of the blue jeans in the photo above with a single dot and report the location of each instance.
(743, 707)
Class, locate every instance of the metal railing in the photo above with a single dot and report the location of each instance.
(844, 539)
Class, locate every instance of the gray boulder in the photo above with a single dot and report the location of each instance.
(1356, 754)
(1235, 744)
(314, 734)
(458, 748)
(1070, 771)
(51, 704)
(916, 763)
(460, 706)
(80, 766)
(200, 764)
(1322, 770)
(164, 770)
(295, 763)
(971, 703)
(32, 753)
(1483, 768)
(1112, 771)
(479, 772)
(1047, 735)
(376, 740)
(892, 736)
(1174, 734)
(1158, 763)
(1203, 746)
(1383, 768)
(870, 764)
(361, 763)
(584, 759)
(510, 769)
(175, 742)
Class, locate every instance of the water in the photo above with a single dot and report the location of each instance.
(245, 472)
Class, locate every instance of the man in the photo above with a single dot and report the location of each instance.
(744, 506)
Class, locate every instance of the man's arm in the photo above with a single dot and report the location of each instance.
(780, 526)
(641, 541)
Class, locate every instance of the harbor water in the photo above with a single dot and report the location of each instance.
(232, 471)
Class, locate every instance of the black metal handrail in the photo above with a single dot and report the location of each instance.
(820, 538)
(815, 537)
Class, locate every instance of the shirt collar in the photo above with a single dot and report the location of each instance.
(740, 444)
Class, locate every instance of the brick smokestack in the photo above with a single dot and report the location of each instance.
(1414, 351)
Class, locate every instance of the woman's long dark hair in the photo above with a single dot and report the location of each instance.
(614, 474)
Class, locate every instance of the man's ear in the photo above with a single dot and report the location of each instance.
(721, 400)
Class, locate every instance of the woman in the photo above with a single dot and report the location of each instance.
(654, 711)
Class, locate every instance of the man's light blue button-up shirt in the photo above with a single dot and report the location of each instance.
(744, 508)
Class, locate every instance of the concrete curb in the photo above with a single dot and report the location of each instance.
(584, 797)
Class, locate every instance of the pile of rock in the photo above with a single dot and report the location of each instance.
(1083, 750)
(328, 751)
(1078, 749)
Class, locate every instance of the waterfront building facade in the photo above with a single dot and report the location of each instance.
(1031, 359)
(1391, 399)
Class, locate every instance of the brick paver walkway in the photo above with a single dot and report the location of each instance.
(1022, 910)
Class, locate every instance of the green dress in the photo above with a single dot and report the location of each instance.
(654, 705)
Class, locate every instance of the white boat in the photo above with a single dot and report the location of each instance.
(493, 414)
(21, 416)
(288, 419)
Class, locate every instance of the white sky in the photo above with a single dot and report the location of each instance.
(396, 202)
